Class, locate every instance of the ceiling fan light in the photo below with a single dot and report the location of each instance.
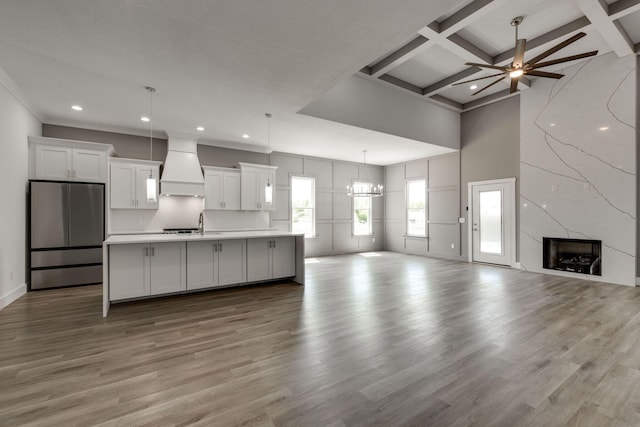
(516, 73)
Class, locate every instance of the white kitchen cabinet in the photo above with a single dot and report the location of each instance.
(221, 188)
(271, 258)
(216, 263)
(254, 179)
(128, 184)
(138, 270)
(168, 271)
(128, 271)
(56, 162)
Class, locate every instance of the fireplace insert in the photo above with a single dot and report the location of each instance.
(574, 255)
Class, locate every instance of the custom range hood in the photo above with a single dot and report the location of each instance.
(181, 172)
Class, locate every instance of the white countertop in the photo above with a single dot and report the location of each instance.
(120, 239)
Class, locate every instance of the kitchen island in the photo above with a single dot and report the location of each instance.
(137, 266)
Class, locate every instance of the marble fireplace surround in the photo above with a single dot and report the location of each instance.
(577, 164)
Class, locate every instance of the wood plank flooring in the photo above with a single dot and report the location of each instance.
(385, 340)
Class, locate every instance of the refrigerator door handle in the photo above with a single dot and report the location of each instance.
(66, 200)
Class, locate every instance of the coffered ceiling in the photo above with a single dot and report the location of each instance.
(480, 31)
(223, 64)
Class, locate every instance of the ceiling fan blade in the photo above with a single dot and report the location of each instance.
(490, 84)
(493, 67)
(479, 78)
(518, 57)
(514, 84)
(565, 59)
(557, 47)
(543, 74)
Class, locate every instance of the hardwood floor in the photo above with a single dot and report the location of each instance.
(385, 340)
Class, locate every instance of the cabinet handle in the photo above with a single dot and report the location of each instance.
(153, 251)
(146, 251)
(274, 243)
(215, 247)
(220, 246)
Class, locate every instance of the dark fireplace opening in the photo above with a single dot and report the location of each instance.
(574, 255)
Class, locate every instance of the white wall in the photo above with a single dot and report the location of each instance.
(442, 178)
(361, 102)
(16, 123)
(333, 206)
(578, 181)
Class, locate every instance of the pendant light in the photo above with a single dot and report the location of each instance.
(152, 182)
(268, 189)
(371, 190)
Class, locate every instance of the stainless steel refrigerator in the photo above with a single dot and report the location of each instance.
(66, 233)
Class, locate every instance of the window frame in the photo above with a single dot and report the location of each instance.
(312, 208)
(353, 211)
(407, 208)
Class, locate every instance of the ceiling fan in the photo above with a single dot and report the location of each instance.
(519, 68)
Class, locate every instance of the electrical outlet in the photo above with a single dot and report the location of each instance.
(373, 240)
(554, 187)
(453, 246)
(461, 220)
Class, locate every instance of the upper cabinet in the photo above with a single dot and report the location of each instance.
(128, 183)
(221, 188)
(67, 160)
(257, 187)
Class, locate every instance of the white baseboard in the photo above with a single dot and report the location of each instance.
(13, 295)
(637, 281)
(516, 265)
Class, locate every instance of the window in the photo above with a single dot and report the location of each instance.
(303, 203)
(362, 211)
(416, 213)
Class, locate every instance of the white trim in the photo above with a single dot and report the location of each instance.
(637, 281)
(19, 95)
(512, 191)
(13, 295)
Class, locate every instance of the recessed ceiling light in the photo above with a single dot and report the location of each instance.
(200, 128)
(552, 124)
(245, 136)
(472, 87)
(144, 118)
(76, 107)
(604, 128)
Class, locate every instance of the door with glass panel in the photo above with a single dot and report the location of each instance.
(492, 222)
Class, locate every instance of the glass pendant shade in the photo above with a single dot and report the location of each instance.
(152, 188)
(268, 193)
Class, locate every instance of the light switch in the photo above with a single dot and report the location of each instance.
(554, 187)
(461, 220)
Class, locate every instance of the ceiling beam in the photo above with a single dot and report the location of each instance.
(597, 11)
(401, 83)
(622, 8)
(399, 56)
(444, 30)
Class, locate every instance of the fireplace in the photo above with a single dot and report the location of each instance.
(574, 255)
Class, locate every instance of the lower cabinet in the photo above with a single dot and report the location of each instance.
(137, 270)
(271, 258)
(216, 263)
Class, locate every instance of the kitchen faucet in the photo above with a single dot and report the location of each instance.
(201, 223)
